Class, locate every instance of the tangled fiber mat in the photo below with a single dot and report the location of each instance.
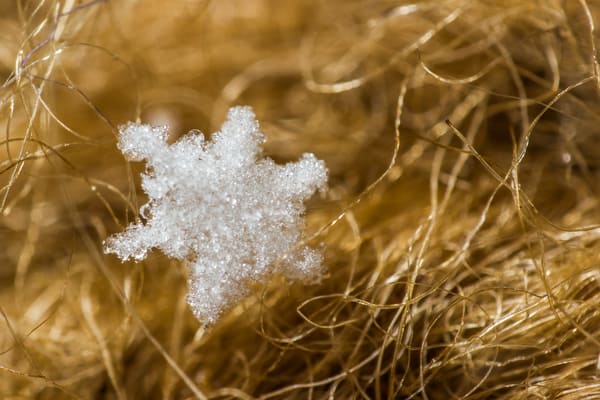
(460, 233)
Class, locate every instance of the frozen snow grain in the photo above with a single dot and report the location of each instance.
(233, 214)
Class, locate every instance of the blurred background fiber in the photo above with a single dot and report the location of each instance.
(460, 231)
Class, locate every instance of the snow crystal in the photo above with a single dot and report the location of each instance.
(233, 214)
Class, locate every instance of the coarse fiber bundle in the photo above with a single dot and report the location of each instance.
(459, 235)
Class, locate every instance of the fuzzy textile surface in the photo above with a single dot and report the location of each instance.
(458, 243)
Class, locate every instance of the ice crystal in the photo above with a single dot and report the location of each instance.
(235, 215)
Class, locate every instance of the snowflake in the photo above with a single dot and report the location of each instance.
(234, 215)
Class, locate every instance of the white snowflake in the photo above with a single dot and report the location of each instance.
(234, 215)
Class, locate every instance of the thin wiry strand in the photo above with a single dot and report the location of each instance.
(465, 267)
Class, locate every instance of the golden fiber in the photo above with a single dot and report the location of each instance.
(460, 233)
